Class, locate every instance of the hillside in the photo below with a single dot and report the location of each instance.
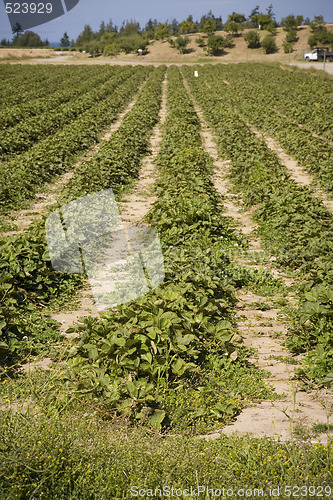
(161, 51)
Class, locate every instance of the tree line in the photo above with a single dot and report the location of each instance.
(110, 39)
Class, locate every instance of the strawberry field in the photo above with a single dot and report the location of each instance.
(131, 394)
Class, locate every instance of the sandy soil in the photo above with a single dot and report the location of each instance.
(8, 54)
(261, 330)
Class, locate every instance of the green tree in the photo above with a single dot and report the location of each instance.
(162, 31)
(289, 22)
(17, 30)
(86, 36)
(200, 41)
(210, 16)
(268, 44)
(150, 29)
(219, 23)
(229, 41)
(299, 20)
(174, 26)
(102, 29)
(252, 39)
(291, 36)
(312, 40)
(181, 43)
(254, 17)
(270, 12)
(321, 37)
(64, 41)
(215, 44)
(317, 23)
(233, 27)
(110, 27)
(131, 27)
(29, 39)
(107, 40)
(131, 43)
(186, 26)
(209, 26)
(93, 47)
(237, 18)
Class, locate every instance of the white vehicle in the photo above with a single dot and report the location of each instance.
(319, 54)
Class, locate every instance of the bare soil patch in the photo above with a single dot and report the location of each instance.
(139, 201)
(7, 54)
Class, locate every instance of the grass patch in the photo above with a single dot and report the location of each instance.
(80, 456)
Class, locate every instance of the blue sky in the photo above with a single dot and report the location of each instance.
(93, 12)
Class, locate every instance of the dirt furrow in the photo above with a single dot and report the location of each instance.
(24, 218)
(139, 201)
(260, 330)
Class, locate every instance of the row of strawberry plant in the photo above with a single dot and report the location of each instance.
(304, 98)
(27, 133)
(27, 284)
(27, 277)
(255, 106)
(118, 160)
(292, 223)
(169, 358)
(23, 174)
(30, 82)
(74, 84)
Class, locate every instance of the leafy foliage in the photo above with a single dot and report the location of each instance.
(268, 44)
(172, 341)
(252, 39)
(291, 221)
(21, 176)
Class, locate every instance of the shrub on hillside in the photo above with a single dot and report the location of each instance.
(321, 37)
(181, 43)
(200, 41)
(291, 36)
(229, 41)
(252, 39)
(269, 44)
(215, 44)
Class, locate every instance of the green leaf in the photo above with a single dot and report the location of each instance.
(157, 418)
(132, 389)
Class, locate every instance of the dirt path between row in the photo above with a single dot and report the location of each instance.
(139, 201)
(261, 331)
(24, 218)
